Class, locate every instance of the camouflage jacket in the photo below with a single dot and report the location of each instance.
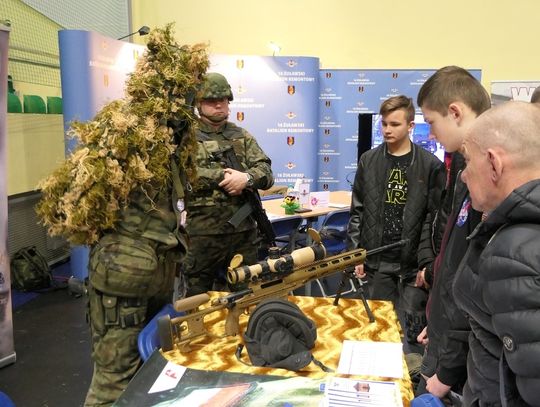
(210, 207)
(155, 221)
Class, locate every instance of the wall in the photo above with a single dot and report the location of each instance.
(496, 36)
(35, 147)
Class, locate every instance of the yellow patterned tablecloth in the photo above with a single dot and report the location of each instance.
(334, 325)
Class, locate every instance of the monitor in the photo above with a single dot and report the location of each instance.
(419, 135)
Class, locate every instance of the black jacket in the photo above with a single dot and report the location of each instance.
(498, 286)
(433, 229)
(425, 181)
(448, 327)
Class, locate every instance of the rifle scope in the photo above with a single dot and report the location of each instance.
(283, 265)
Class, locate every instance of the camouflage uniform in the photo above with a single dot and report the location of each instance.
(213, 242)
(121, 304)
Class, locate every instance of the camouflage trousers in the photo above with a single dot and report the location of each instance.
(209, 257)
(115, 324)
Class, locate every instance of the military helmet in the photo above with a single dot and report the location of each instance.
(215, 86)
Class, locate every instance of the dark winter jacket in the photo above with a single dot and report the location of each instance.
(498, 286)
(448, 327)
(425, 182)
(433, 229)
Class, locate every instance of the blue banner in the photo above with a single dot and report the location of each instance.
(93, 71)
(274, 100)
(346, 93)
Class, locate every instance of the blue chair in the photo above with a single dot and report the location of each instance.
(273, 196)
(333, 231)
(286, 230)
(148, 339)
(427, 400)
(5, 401)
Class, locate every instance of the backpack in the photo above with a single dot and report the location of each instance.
(29, 270)
(279, 335)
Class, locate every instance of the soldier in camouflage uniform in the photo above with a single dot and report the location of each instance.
(131, 274)
(218, 195)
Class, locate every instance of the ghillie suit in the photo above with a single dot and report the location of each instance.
(128, 144)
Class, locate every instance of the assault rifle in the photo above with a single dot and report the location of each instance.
(273, 278)
(252, 205)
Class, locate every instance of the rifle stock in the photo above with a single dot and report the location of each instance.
(266, 280)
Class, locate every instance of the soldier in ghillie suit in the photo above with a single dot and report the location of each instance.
(218, 194)
(119, 193)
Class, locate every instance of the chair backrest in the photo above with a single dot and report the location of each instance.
(336, 219)
(34, 104)
(14, 103)
(286, 226)
(54, 105)
(334, 230)
(427, 400)
(148, 339)
(269, 197)
(5, 401)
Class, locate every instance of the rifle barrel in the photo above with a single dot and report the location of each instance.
(402, 242)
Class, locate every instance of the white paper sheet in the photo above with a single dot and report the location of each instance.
(341, 392)
(383, 359)
(168, 378)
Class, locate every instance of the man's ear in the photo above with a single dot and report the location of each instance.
(455, 110)
(496, 165)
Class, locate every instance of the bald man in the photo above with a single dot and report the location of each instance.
(498, 281)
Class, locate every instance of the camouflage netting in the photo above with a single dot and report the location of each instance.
(128, 144)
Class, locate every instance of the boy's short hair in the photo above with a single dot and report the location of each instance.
(397, 103)
(453, 84)
(535, 98)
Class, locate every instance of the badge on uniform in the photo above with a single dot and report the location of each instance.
(182, 209)
(464, 212)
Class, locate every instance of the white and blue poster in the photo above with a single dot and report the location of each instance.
(93, 71)
(347, 93)
(274, 99)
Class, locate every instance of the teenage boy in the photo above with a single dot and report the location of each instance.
(396, 186)
(450, 100)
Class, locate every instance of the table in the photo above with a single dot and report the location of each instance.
(339, 198)
(214, 360)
